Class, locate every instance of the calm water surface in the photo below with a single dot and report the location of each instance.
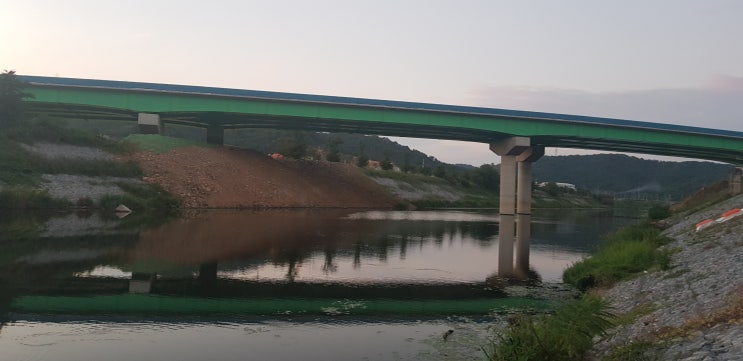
(278, 285)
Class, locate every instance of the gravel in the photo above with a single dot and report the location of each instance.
(705, 277)
(76, 187)
(67, 151)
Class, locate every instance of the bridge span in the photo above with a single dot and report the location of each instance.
(518, 137)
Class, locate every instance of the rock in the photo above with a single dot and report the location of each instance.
(123, 209)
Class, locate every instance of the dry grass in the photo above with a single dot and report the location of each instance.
(732, 313)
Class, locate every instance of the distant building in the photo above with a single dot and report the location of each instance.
(561, 185)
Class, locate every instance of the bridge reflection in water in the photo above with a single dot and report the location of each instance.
(279, 262)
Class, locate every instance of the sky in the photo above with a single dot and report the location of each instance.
(666, 61)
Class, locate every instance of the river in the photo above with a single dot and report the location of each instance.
(274, 285)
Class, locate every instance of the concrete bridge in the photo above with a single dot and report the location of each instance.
(518, 137)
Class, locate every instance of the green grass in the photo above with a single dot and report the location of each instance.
(56, 131)
(622, 255)
(28, 198)
(160, 144)
(21, 167)
(565, 335)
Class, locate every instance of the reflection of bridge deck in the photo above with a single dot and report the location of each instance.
(217, 296)
(230, 288)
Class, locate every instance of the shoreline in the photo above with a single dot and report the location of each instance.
(692, 311)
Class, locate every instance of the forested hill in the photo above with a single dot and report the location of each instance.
(627, 176)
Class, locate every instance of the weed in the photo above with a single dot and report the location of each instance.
(28, 198)
(677, 273)
(731, 313)
(565, 335)
(634, 314)
(621, 255)
(633, 351)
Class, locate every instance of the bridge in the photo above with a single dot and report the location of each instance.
(518, 137)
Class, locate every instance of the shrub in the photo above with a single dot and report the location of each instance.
(565, 335)
(658, 212)
(28, 198)
(621, 255)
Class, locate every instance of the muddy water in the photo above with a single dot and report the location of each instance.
(226, 285)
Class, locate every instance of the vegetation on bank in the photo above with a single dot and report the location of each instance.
(23, 169)
(482, 191)
(160, 144)
(568, 333)
(621, 255)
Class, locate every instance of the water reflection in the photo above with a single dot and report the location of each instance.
(334, 273)
(288, 254)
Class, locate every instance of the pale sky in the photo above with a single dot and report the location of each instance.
(667, 61)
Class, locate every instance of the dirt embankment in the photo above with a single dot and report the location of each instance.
(237, 178)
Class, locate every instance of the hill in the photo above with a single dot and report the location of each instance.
(615, 175)
(624, 176)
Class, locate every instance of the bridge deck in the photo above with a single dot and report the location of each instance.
(236, 108)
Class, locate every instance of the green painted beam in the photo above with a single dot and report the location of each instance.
(229, 112)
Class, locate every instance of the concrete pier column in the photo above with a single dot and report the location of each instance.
(507, 211)
(735, 180)
(215, 134)
(149, 123)
(523, 208)
(508, 149)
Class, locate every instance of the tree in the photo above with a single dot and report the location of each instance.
(333, 151)
(487, 177)
(11, 97)
(293, 147)
(386, 164)
(362, 161)
(551, 188)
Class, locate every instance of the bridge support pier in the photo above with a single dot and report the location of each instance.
(735, 181)
(149, 123)
(215, 135)
(523, 209)
(515, 176)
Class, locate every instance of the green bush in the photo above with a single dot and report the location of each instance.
(28, 198)
(621, 255)
(565, 335)
(658, 212)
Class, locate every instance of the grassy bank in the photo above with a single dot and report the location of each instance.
(429, 192)
(22, 169)
(621, 255)
(568, 333)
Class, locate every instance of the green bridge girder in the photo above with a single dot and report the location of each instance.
(233, 109)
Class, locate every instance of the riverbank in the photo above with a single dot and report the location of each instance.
(693, 310)
(80, 170)
(223, 177)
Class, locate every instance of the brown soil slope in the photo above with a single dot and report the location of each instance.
(236, 178)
